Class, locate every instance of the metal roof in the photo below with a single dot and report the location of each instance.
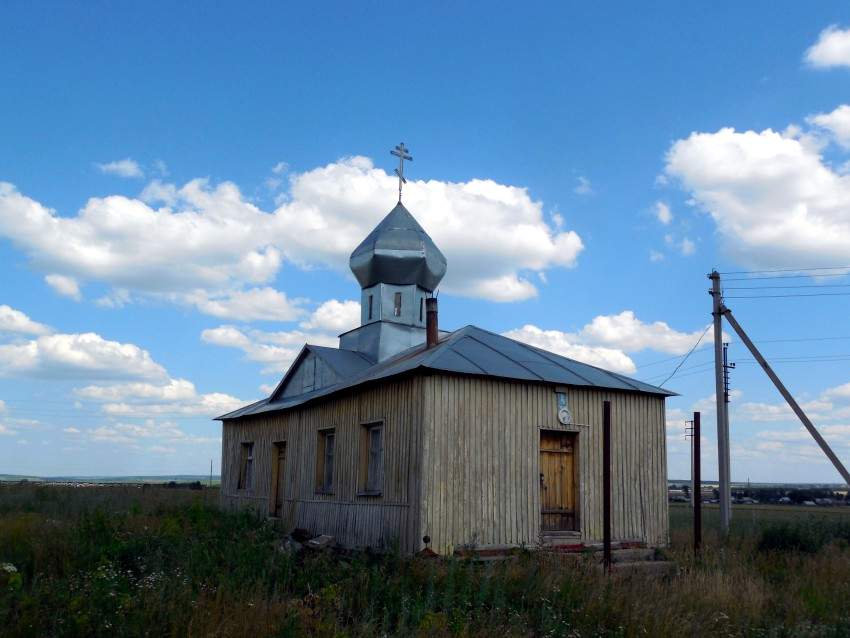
(470, 350)
(346, 363)
(398, 251)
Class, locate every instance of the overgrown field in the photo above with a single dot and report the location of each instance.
(120, 561)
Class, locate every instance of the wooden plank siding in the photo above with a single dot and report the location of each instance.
(355, 521)
(481, 462)
(461, 463)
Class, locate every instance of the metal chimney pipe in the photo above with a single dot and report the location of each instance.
(432, 332)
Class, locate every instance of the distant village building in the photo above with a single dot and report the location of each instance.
(406, 436)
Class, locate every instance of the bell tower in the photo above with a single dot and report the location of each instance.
(398, 266)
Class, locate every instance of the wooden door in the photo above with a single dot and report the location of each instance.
(557, 481)
(279, 477)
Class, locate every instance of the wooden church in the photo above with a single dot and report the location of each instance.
(407, 436)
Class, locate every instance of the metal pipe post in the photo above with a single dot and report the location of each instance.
(724, 475)
(606, 484)
(697, 481)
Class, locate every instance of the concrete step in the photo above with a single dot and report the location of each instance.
(659, 568)
(578, 546)
(632, 555)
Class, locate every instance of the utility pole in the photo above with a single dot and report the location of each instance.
(726, 367)
(723, 459)
(689, 436)
(836, 462)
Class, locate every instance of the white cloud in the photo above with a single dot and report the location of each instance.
(564, 344)
(687, 247)
(629, 333)
(663, 213)
(817, 410)
(116, 298)
(606, 339)
(837, 123)
(773, 199)
(15, 321)
(263, 304)
(158, 191)
(173, 390)
(12, 426)
(798, 446)
(280, 168)
(489, 232)
(71, 430)
(2, 406)
(601, 342)
(838, 392)
(831, 50)
(832, 404)
(209, 238)
(162, 449)
(655, 256)
(334, 316)
(675, 421)
(122, 168)
(277, 350)
(583, 187)
(66, 286)
(77, 356)
(175, 397)
(210, 405)
(149, 432)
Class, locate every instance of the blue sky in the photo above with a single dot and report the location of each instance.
(182, 186)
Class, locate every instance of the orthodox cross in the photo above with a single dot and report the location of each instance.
(402, 154)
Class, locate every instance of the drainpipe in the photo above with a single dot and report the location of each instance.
(432, 332)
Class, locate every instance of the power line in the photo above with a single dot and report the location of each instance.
(788, 340)
(796, 339)
(813, 294)
(752, 272)
(705, 366)
(655, 363)
(687, 374)
(786, 287)
(826, 274)
(660, 385)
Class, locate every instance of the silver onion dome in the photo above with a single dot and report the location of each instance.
(398, 251)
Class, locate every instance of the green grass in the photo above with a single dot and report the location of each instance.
(121, 561)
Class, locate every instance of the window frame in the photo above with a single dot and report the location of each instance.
(397, 300)
(370, 304)
(366, 485)
(325, 483)
(245, 479)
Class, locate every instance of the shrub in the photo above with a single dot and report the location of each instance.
(796, 537)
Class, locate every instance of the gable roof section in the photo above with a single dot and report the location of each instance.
(346, 364)
(470, 350)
